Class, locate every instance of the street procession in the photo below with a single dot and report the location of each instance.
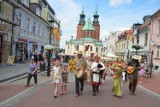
(79, 53)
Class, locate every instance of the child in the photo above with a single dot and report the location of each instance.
(64, 80)
(32, 72)
(55, 75)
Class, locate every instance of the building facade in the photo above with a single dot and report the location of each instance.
(85, 33)
(33, 27)
(110, 41)
(155, 38)
(6, 28)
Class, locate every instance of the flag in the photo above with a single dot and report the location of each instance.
(56, 34)
(86, 48)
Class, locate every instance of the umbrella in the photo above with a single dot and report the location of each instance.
(111, 55)
(61, 54)
(107, 58)
(49, 47)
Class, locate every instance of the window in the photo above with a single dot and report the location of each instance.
(0, 6)
(19, 17)
(34, 27)
(124, 45)
(38, 12)
(39, 29)
(28, 23)
(133, 41)
(77, 47)
(159, 26)
(146, 39)
(101, 49)
(43, 31)
(91, 48)
(68, 47)
(137, 39)
(158, 51)
(96, 49)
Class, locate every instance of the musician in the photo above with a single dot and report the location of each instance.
(80, 65)
(117, 77)
(95, 69)
(133, 77)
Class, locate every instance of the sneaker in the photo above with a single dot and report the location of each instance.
(94, 94)
(76, 95)
(55, 96)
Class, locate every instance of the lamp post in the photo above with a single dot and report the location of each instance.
(151, 65)
(49, 51)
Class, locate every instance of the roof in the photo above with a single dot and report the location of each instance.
(84, 40)
(158, 11)
(88, 25)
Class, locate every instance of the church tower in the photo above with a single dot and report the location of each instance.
(80, 25)
(96, 25)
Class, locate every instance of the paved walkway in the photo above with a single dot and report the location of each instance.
(10, 71)
(42, 96)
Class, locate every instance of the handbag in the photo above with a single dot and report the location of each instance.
(58, 76)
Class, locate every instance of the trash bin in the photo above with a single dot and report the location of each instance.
(42, 66)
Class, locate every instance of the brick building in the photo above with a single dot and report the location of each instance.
(94, 33)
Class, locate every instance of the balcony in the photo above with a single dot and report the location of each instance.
(35, 1)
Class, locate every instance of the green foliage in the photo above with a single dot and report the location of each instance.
(137, 47)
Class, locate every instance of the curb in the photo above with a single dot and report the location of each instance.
(149, 92)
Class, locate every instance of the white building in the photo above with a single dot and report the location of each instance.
(110, 41)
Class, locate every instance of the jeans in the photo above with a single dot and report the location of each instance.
(79, 83)
(132, 85)
(29, 78)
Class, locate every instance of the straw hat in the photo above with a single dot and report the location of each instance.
(79, 52)
(136, 57)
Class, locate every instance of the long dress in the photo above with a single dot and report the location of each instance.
(56, 71)
(117, 82)
(71, 66)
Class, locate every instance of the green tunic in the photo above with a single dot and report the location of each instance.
(117, 82)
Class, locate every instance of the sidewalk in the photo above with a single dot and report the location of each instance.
(11, 71)
(152, 84)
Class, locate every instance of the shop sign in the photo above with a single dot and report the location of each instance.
(22, 39)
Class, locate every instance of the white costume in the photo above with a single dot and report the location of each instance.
(96, 77)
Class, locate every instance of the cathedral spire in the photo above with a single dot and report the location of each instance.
(82, 17)
(96, 16)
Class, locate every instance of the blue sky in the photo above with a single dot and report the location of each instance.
(114, 14)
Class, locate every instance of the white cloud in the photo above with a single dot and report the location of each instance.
(116, 3)
(68, 12)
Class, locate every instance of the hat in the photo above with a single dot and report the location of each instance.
(136, 57)
(79, 52)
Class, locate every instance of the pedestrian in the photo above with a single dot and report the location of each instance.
(32, 72)
(133, 77)
(102, 73)
(55, 76)
(141, 73)
(40, 58)
(71, 64)
(65, 79)
(96, 77)
(117, 78)
(35, 57)
(80, 66)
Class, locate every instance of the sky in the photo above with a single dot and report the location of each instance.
(114, 15)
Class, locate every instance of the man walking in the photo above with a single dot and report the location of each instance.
(80, 65)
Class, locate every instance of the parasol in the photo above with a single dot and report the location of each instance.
(49, 47)
(111, 55)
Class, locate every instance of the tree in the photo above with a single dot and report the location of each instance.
(137, 47)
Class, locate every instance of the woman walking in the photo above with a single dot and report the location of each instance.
(117, 78)
(56, 76)
(71, 64)
(141, 73)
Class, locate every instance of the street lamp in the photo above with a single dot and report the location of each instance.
(49, 51)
